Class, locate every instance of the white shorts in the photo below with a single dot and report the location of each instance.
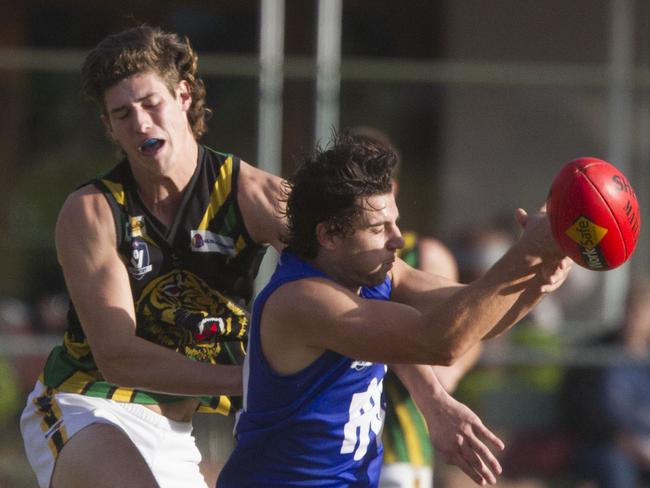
(167, 447)
(404, 475)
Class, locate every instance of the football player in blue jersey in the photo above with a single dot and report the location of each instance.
(341, 308)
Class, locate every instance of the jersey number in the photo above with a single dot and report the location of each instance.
(366, 415)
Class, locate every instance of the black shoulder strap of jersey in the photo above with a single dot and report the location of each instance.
(111, 184)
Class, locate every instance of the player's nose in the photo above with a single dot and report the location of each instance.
(395, 241)
(142, 120)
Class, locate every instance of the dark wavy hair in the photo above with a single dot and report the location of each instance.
(330, 186)
(145, 49)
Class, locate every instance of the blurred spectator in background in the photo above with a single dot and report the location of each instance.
(51, 313)
(608, 407)
(15, 316)
(23, 349)
(408, 456)
(478, 248)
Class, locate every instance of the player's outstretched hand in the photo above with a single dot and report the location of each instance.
(555, 266)
(538, 236)
(554, 276)
(461, 439)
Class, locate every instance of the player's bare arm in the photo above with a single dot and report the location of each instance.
(98, 284)
(421, 290)
(259, 198)
(533, 267)
(314, 315)
(319, 315)
(450, 376)
(456, 432)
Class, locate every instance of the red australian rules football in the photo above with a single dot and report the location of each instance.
(594, 213)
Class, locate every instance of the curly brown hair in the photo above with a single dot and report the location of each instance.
(145, 49)
(329, 187)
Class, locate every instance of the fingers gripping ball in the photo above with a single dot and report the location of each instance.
(594, 214)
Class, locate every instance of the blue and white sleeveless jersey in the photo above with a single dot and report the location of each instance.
(318, 427)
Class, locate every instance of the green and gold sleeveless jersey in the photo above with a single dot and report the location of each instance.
(199, 271)
(405, 437)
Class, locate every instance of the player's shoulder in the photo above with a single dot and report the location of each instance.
(85, 225)
(260, 198)
(311, 294)
(308, 308)
(84, 207)
(254, 179)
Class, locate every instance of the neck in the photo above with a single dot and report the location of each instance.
(163, 200)
(162, 193)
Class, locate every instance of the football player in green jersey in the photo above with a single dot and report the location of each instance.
(158, 254)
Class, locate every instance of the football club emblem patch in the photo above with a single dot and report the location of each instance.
(207, 241)
(140, 263)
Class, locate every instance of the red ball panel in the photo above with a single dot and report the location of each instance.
(621, 199)
(594, 214)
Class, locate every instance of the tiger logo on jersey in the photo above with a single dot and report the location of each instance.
(180, 311)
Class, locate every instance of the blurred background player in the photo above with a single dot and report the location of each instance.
(408, 456)
(608, 406)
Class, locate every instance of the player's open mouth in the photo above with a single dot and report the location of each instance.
(150, 146)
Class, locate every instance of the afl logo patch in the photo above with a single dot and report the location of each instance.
(139, 264)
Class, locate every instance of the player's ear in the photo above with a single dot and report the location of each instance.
(184, 94)
(325, 238)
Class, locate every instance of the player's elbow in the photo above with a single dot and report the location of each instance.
(438, 356)
(446, 358)
(449, 352)
(112, 376)
(111, 373)
(114, 369)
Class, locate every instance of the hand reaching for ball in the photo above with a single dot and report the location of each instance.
(555, 266)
